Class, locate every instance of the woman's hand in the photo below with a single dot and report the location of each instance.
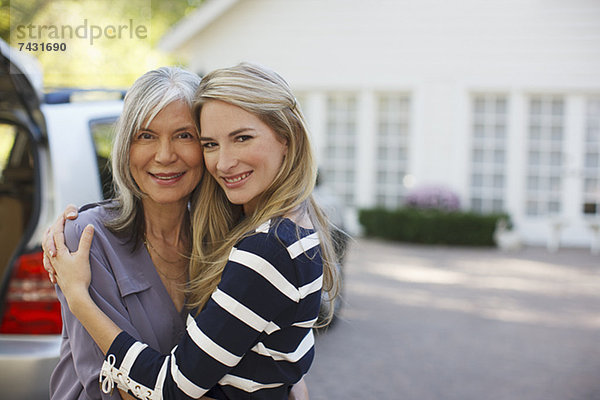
(48, 239)
(72, 270)
(74, 275)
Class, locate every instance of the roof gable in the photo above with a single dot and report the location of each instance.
(194, 23)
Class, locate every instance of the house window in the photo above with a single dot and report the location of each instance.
(545, 155)
(591, 159)
(488, 153)
(339, 164)
(392, 148)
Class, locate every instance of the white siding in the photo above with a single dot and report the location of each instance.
(439, 53)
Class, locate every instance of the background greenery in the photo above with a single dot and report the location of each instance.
(108, 62)
(430, 226)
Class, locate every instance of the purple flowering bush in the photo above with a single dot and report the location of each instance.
(433, 197)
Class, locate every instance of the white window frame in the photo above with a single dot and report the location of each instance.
(546, 136)
(489, 152)
(339, 165)
(392, 148)
(591, 158)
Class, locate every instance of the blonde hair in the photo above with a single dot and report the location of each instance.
(217, 223)
(148, 95)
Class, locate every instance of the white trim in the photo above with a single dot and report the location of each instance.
(211, 348)
(194, 23)
(162, 374)
(243, 313)
(183, 383)
(131, 355)
(266, 270)
(246, 385)
(293, 357)
(264, 228)
(312, 287)
(306, 324)
(304, 244)
(109, 375)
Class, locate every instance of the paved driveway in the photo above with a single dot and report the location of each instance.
(428, 323)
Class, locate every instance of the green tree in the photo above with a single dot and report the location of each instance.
(112, 58)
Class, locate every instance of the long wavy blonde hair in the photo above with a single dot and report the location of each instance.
(218, 225)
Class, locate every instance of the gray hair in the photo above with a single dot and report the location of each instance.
(148, 95)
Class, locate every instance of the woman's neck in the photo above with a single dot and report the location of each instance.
(165, 222)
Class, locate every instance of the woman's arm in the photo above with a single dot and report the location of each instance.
(239, 321)
(80, 357)
(251, 294)
(61, 254)
(103, 289)
(73, 275)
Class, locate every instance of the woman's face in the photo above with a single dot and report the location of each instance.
(165, 158)
(240, 151)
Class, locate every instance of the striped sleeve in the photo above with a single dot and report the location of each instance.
(259, 284)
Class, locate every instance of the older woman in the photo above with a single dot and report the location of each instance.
(143, 237)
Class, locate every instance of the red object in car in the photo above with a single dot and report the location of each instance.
(31, 305)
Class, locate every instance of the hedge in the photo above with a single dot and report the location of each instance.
(430, 226)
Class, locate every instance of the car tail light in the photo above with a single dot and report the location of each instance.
(31, 305)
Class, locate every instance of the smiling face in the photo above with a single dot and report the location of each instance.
(165, 159)
(241, 152)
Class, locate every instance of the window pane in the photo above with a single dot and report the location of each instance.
(533, 183)
(500, 105)
(591, 160)
(8, 133)
(477, 204)
(392, 141)
(103, 132)
(340, 146)
(498, 181)
(489, 132)
(591, 157)
(545, 154)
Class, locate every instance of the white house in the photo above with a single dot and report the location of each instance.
(498, 100)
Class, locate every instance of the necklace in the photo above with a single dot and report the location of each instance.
(149, 246)
(170, 279)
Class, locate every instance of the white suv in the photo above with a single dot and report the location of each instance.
(53, 151)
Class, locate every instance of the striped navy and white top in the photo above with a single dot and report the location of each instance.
(253, 339)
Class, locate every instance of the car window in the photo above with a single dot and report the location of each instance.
(16, 188)
(8, 133)
(103, 132)
(16, 160)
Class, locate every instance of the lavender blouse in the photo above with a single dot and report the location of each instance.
(126, 286)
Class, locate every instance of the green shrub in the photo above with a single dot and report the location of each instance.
(430, 226)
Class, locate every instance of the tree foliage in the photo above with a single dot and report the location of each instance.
(112, 59)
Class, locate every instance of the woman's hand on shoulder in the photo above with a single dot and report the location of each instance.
(72, 270)
(48, 246)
